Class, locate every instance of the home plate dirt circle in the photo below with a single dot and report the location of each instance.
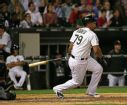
(70, 99)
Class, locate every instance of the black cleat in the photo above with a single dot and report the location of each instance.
(60, 95)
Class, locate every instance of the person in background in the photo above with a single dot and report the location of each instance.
(107, 7)
(67, 8)
(5, 42)
(50, 18)
(15, 63)
(26, 22)
(74, 15)
(16, 16)
(59, 11)
(43, 6)
(6, 14)
(59, 70)
(101, 21)
(36, 17)
(96, 8)
(116, 64)
(117, 20)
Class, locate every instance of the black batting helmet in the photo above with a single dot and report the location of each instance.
(88, 19)
(14, 47)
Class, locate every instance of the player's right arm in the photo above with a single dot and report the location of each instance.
(95, 45)
(70, 48)
(97, 51)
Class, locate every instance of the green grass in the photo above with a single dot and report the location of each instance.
(76, 91)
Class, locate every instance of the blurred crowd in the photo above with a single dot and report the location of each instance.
(67, 13)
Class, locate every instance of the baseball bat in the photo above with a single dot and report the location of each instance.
(38, 63)
(43, 62)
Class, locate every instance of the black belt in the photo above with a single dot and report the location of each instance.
(80, 59)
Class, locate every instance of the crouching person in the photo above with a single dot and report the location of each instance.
(15, 64)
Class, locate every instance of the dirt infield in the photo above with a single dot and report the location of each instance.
(70, 99)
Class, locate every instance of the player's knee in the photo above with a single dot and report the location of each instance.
(99, 69)
(10, 74)
(77, 83)
(24, 74)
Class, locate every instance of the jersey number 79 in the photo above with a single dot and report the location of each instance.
(78, 39)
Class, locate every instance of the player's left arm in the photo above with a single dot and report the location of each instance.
(99, 56)
(20, 61)
(98, 52)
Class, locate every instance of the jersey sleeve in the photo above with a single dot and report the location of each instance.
(73, 37)
(8, 60)
(94, 40)
(21, 58)
(5, 39)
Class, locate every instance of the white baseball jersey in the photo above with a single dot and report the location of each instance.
(83, 39)
(13, 58)
(16, 71)
(6, 40)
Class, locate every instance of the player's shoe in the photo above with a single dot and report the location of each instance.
(58, 94)
(94, 95)
(18, 87)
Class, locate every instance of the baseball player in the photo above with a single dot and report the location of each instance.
(81, 42)
(15, 64)
(116, 64)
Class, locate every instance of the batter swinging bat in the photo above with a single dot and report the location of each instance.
(43, 62)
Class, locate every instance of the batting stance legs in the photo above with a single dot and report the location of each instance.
(78, 70)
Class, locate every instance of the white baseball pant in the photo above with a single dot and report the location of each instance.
(17, 73)
(114, 80)
(78, 70)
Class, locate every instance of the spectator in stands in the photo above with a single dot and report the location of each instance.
(117, 20)
(74, 15)
(96, 9)
(59, 11)
(67, 8)
(36, 17)
(15, 21)
(5, 42)
(24, 4)
(43, 6)
(26, 22)
(106, 6)
(59, 71)
(6, 14)
(82, 5)
(102, 21)
(15, 64)
(16, 17)
(50, 18)
(116, 65)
